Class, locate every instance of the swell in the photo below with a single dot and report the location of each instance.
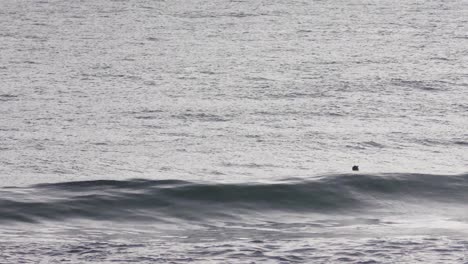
(140, 199)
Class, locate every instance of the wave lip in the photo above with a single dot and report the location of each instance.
(140, 199)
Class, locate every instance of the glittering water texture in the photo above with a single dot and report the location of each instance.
(256, 95)
(231, 89)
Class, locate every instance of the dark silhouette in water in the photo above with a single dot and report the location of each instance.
(355, 168)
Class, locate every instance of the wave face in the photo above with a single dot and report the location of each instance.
(140, 199)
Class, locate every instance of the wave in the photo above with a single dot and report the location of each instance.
(141, 199)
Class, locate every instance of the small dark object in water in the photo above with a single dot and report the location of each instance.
(355, 168)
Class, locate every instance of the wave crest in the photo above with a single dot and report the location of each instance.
(140, 199)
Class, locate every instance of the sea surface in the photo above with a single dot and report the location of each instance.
(224, 131)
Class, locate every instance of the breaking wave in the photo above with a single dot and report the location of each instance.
(141, 199)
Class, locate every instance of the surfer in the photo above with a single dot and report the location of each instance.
(355, 168)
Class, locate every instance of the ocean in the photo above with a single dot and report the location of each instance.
(224, 131)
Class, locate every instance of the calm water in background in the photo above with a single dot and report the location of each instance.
(217, 92)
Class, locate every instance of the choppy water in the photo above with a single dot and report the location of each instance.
(239, 121)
